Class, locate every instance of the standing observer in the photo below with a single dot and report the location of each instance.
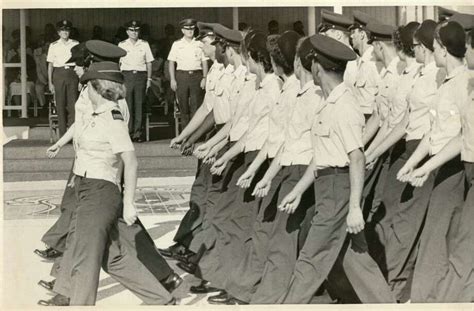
(188, 71)
(62, 79)
(137, 69)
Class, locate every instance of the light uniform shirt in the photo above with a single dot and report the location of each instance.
(263, 102)
(279, 115)
(99, 136)
(389, 79)
(420, 101)
(467, 112)
(240, 119)
(236, 88)
(138, 55)
(445, 113)
(213, 76)
(350, 74)
(366, 81)
(59, 52)
(297, 148)
(222, 90)
(187, 55)
(399, 100)
(335, 137)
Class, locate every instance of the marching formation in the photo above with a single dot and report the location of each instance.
(342, 161)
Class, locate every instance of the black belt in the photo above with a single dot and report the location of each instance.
(190, 71)
(66, 67)
(331, 171)
(134, 71)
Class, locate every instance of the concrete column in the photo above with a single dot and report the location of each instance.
(311, 20)
(24, 101)
(235, 18)
(429, 12)
(338, 9)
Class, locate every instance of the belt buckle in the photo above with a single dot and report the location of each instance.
(190, 72)
(134, 71)
(67, 67)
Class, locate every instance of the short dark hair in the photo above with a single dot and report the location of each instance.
(279, 59)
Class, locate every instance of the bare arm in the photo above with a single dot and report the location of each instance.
(371, 127)
(130, 178)
(355, 220)
(50, 77)
(391, 139)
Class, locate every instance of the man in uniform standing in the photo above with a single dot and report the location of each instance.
(137, 69)
(62, 79)
(188, 79)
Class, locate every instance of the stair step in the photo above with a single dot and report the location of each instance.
(63, 175)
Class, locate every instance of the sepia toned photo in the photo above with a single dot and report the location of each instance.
(246, 154)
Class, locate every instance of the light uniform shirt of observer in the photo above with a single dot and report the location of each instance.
(366, 81)
(337, 129)
(263, 102)
(350, 74)
(187, 55)
(240, 119)
(138, 55)
(99, 136)
(445, 112)
(467, 112)
(388, 83)
(420, 101)
(297, 148)
(279, 115)
(59, 52)
(222, 90)
(236, 89)
(399, 101)
(213, 76)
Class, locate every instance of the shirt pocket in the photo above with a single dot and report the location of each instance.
(360, 82)
(321, 129)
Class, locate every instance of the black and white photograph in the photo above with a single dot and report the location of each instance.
(206, 155)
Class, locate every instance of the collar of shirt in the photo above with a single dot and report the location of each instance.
(458, 70)
(267, 79)
(107, 106)
(415, 66)
(250, 76)
(193, 41)
(367, 56)
(66, 43)
(229, 69)
(240, 71)
(216, 66)
(289, 82)
(129, 42)
(306, 87)
(336, 93)
(392, 67)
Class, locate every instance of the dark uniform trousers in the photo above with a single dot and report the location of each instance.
(93, 240)
(135, 82)
(66, 84)
(457, 284)
(374, 187)
(263, 273)
(191, 224)
(189, 93)
(231, 223)
(438, 236)
(325, 241)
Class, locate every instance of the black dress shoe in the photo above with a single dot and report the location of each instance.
(58, 300)
(172, 282)
(184, 257)
(205, 288)
(172, 302)
(189, 267)
(172, 250)
(218, 299)
(49, 253)
(229, 301)
(48, 285)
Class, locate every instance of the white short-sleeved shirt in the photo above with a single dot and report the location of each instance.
(399, 99)
(297, 148)
(389, 78)
(420, 101)
(138, 55)
(366, 81)
(467, 112)
(264, 100)
(350, 74)
(187, 55)
(236, 88)
(99, 136)
(445, 113)
(279, 115)
(337, 129)
(240, 119)
(59, 52)
(213, 76)
(222, 91)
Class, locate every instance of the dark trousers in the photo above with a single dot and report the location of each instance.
(438, 236)
(189, 93)
(263, 274)
(66, 84)
(457, 285)
(93, 240)
(324, 243)
(135, 82)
